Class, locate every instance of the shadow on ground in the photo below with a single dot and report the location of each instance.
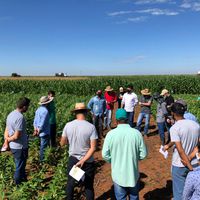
(160, 193)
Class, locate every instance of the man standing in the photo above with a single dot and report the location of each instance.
(52, 118)
(129, 102)
(185, 135)
(82, 139)
(97, 105)
(123, 148)
(169, 100)
(145, 112)
(15, 135)
(41, 124)
(111, 98)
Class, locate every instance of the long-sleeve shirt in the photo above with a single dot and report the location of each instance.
(97, 105)
(123, 148)
(41, 121)
(192, 190)
(129, 101)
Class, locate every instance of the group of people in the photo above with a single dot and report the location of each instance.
(123, 146)
(16, 138)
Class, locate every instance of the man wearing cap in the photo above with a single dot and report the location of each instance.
(111, 98)
(185, 136)
(82, 139)
(123, 148)
(187, 115)
(169, 100)
(145, 102)
(97, 105)
(129, 102)
(41, 124)
(15, 135)
(120, 96)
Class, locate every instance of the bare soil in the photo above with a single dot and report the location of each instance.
(155, 176)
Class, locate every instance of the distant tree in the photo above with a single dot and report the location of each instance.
(15, 75)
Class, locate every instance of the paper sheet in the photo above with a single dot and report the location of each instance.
(77, 173)
(164, 153)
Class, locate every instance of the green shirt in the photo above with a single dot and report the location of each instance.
(123, 148)
(52, 112)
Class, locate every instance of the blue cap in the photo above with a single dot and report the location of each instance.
(121, 114)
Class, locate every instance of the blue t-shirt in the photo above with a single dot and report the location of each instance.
(16, 122)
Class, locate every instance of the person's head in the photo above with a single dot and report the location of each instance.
(121, 89)
(51, 93)
(146, 92)
(23, 104)
(121, 116)
(80, 110)
(129, 88)
(99, 93)
(181, 101)
(158, 97)
(177, 110)
(109, 89)
(45, 100)
(164, 93)
(198, 153)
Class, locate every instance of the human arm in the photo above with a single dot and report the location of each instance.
(92, 149)
(188, 188)
(142, 148)
(106, 154)
(135, 99)
(168, 146)
(123, 101)
(42, 117)
(63, 141)
(193, 153)
(183, 156)
(14, 137)
(90, 105)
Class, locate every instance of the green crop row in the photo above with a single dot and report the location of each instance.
(182, 84)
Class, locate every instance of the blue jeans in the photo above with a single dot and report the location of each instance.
(44, 142)
(161, 130)
(122, 192)
(139, 122)
(178, 181)
(20, 158)
(130, 118)
(108, 119)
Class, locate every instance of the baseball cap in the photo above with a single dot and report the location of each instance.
(121, 114)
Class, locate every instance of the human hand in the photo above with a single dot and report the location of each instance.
(166, 147)
(80, 163)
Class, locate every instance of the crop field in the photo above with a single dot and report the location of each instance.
(48, 181)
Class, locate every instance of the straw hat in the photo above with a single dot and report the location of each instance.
(108, 89)
(80, 106)
(164, 91)
(45, 100)
(145, 92)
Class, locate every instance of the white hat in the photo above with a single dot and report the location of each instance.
(164, 91)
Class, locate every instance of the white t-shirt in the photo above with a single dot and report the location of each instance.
(129, 100)
(187, 132)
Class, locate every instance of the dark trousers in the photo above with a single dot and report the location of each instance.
(130, 118)
(20, 158)
(98, 123)
(53, 135)
(88, 182)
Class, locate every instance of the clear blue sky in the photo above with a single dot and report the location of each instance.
(99, 37)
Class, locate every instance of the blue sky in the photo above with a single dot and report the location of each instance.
(99, 37)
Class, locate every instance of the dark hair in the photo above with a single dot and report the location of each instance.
(23, 102)
(198, 146)
(51, 92)
(178, 108)
(129, 86)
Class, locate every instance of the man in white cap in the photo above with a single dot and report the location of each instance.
(169, 100)
(82, 139)
(41, 124)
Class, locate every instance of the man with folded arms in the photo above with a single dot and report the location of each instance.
(82, 139)
(123, 148)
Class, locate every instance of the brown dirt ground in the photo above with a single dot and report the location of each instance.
(155, 176)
